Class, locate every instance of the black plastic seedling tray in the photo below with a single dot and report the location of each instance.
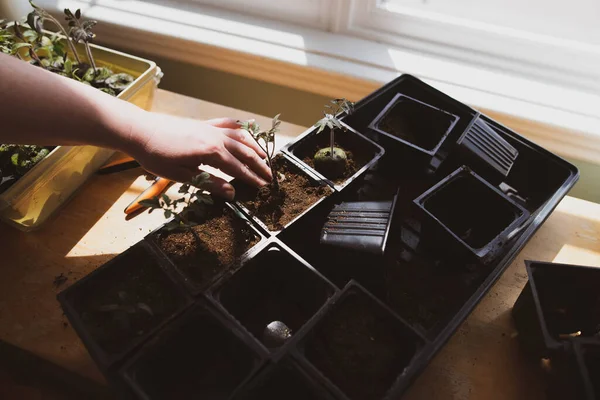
(139, 290)
(423, 291)
(276, 285)
(305, 145)
(199, 284)
(201, 355)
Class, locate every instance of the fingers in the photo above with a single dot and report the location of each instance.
(243, 137)
(249, 157)
(231, 165)
(220, 187)
(228, 123)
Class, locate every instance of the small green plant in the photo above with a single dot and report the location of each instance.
(18, 159)
(332, 160)
(81, 32)
(266, 141)
(195, 201)
(56, 53)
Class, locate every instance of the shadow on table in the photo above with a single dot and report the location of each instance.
(25, 376)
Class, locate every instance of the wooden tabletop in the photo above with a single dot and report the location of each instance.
(481, 361)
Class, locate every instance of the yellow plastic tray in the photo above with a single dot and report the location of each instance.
(46, 187)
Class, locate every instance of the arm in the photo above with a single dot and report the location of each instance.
(38, 107)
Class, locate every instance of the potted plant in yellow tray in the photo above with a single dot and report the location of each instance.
(35, 181)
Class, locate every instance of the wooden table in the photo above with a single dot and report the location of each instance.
(481, 361)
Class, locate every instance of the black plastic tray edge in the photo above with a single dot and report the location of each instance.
(196, 290)
(537, 219)
(549, 341)
(312, 177)
(106, 363)
(481, 253)
(260, 362)
(402, 381)
(374, 125)
(287, 149)
(283, 350)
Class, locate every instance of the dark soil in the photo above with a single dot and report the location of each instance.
(126, 301)
(427, 293)
(276, 208)
(416, 123)
(471, 210)
(360, 348)
(358, 151)
(212, 248)
(201, 360)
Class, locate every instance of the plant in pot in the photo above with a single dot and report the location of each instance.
(68, 53)
(204, 239)
(341, 158)
(332, 161)
(290, 193)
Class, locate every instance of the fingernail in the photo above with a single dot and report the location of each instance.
(229, 192)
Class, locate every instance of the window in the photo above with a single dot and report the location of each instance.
(556, 39)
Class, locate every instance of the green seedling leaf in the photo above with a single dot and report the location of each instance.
(119, 82)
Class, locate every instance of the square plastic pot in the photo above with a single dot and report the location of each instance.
(360, 225)
(419, 126)
(200, 271)
(467, 215)
(361, 348)
(245, 193)
(118, 306)
(560, 301)
(199, 356)
(276, 286)
(365, 152)
(284, 380)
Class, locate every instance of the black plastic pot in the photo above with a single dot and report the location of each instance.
(198, 356)
(558, 301)
(361, 347)
(464, 209)
(419, 126)
(276, 285)
(364, 151)
(246, 193)
(484, 148)
(284, 381)
(199, 282)
(122, 303)
(360, 225)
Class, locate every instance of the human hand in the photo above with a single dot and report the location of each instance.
(174, 147)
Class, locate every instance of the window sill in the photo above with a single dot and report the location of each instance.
(564, 120)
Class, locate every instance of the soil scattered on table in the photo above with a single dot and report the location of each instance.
(360, 348)
(213, 247)
(276, 208)
(60, 280)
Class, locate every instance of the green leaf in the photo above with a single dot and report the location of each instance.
(31, 36)
(119, 81)
(68, 66)
(89, 75)
(17, 46)
(185, 188)
(166, 199)
(102, 74)
(168, 213)
(150, 203)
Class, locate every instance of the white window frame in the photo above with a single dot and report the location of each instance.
(475, 43)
